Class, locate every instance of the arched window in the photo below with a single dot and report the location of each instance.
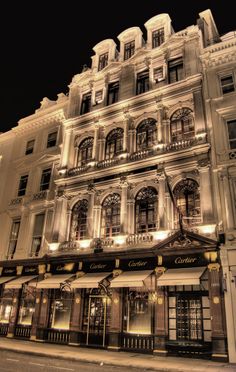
(79, 220)
(146, 210)
(85, 151)
(182, 125)
(146, 134)
(111, 216)
(187, 197)
(114, 143)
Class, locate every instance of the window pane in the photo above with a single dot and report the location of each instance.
(138, 313)
(5, 310)
(227, 84)
(52, 139)
(60, 314)
(22, 185)
(157, 37)
(27, 306)
(232, 133)
(45, 179)
(38, 224)
(129, 49)
(103, 61)
(29, 147)
(13, 238)
(86, 103)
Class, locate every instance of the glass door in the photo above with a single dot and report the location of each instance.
(97, 320)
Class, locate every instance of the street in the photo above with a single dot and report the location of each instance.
(14, 362)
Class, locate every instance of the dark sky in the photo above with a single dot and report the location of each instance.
(43, 44)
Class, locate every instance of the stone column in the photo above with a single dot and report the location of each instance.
(161, 201)
(217, 321)
(123, 208)
(67, 148)
(59, 223)
(116, 320)
(76, 318)
(166, 131)
(130, 216)
(159, 123)
(90, 224)
(68, 225)
(101, 145)
(160, 321)
(205, 193)
(227, 200)
(95, 143)
(14, 312)
(198, 111)
(97, 216)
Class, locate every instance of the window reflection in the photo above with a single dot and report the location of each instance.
(27, 306)
(138, 313)
(5, 310)
(60, 310)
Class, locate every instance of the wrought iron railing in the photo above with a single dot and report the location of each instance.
(22, 331)
(137, 342)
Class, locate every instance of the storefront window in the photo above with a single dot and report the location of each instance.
(5, 307)
(27, 306)
(138, 313)
(60, 311)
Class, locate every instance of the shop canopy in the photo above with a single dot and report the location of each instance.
(89, 280)
(54, 281)
(130, 279)
(18, 282)
(5, 279)
(184, 276)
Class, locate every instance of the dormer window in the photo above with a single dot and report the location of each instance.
(158, 37)
(103, 61)
(129, 49)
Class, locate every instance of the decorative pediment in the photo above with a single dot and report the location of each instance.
(189, 242)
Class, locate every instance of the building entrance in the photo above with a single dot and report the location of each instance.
(97, 320)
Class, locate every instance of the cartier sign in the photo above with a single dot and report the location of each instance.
(9, 271)
(99, 266)
(29, 270)
(147, 263)
(63, 268)
(185, 260)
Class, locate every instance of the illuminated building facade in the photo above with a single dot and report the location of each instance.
(111, 204)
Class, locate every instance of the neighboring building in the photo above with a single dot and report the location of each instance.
(111, 203)
(219, 72)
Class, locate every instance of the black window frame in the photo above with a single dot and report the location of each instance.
(45, 184)
(29, 149)
(13, 239)
(113, 92)
(51, 142)
(86, 103)
(158, 37)
(227, 87)
(175, 70)
(129, 49)
(146, 209)
(102, 61)
(23, 185)
(142, 84)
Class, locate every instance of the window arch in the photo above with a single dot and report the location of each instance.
(79, 220)
(114, 143)
(182, 125)
(146, 210)
(187, 197)
(111, 216)
(85, 151)
(146, 134)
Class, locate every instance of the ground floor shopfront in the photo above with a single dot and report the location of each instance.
(165, 301)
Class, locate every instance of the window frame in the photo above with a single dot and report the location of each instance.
(86, 103)
(81, 149)
(175, 134)
(108, 227)
(113, 92)
(177, 67)
(232, 84)
(28, 149)
(11, 252)
(41, 186)
(103, 61)
(129, 49)
(53, 142)
(22, 190)
(114, 143)
(228, 134)
(149, 136)
(142, 82)
(35, 253)
(151, 205)
(159, 38)
(79, 223)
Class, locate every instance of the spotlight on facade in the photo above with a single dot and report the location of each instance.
(160, 235)
(85, 243)
(53, 247)
(120, 239)
(208, 229)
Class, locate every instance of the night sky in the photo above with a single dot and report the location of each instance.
(43, 44)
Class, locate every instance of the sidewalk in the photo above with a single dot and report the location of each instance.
(137, 361)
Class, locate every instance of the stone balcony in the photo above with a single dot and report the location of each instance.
(16, 202)
(229, 155)
(125, 158)
(41, 195)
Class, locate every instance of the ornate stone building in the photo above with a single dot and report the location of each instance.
(112, 206)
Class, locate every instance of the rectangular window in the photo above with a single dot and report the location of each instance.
(13, 238)
(142, 82)
(158, 74)
(29, 147)
(5, 309)
(22, 185)
(86, 103)
(232, 133)
(158, 37)
(98, 97)
(176, 70)
(45, 179)
(103, 61)
(113, 93)
(227, 84)
(129, 49)
(37, 234)
(60, 310)
(27, 306)
(52, 139)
